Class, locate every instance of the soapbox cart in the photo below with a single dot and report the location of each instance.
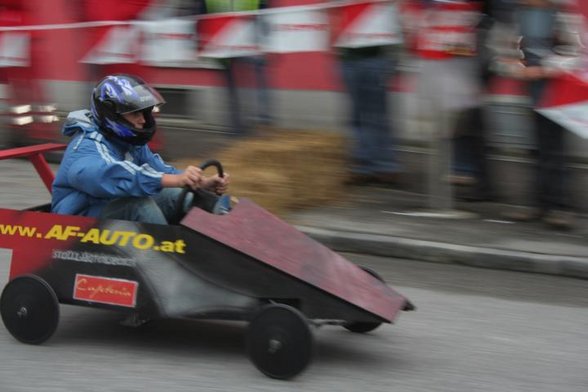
(247, 265)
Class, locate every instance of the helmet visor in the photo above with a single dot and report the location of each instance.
(143, 97)
(129, 94)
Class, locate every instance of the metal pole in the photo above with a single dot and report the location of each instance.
(440, 189)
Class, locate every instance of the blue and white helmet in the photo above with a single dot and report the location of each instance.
(116, 95)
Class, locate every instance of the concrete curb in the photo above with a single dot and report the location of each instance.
(438, 252)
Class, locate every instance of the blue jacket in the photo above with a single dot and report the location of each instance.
(94, 170)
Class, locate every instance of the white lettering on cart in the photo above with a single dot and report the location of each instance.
(87, 257)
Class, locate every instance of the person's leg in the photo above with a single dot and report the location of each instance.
(552, 173)
(463, 168)
(167, 202)
(237, 124)
(470, 155)
(375, 119)
(264, 104)
(353, 85)
(441, 192)
(480, 152)
(137, 209)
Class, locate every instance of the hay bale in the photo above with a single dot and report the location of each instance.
(286, 170)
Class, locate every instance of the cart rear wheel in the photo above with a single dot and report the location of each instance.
(363, 326)
(29, 309)
(279, 341)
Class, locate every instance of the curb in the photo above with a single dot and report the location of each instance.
(439, 252)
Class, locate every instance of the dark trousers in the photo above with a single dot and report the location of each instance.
(551, 171)
(236, 70)
(471, 150)
(366, 81)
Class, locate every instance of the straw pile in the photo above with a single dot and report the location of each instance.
(286, 170)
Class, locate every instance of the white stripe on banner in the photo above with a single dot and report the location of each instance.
(573, 117)
(118, 46)
(169, 41)
(377, 25)
(14, 49)
(288, 31)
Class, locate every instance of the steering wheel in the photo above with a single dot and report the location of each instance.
(207, 194)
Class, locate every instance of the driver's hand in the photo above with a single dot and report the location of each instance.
(191, 177)
(217, 184)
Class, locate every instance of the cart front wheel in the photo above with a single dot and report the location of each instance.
(30, 310)
(280, 341)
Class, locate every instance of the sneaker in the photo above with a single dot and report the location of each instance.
(360, 179)
(475, 197)
(461, 180)
(390, 179)
(558, 219)
(522, 214)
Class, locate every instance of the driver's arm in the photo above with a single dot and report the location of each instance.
(100, 175)
(145, 155)
(191, 177)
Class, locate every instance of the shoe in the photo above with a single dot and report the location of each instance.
(523, 215)
(474, 195)
(360, 179)
(391, 179)
(456, 179)
(558, 219)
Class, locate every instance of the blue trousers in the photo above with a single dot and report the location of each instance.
(232, 72)
(366, 80)
(158, 209)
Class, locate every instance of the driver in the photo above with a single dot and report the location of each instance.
(108, 171)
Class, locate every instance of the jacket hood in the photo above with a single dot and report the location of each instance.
(80, 120)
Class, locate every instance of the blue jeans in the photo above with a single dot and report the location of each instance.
(233, 70)
(159, 209)
(366, 80)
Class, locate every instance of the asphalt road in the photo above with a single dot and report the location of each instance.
(474, 330)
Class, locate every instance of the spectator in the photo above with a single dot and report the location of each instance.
(442, 36)
(542, 35)
(366, 72)
(234, 68)
(470, 166)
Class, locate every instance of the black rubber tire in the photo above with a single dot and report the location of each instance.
(280, 342)
(30, 309)
(363, 326)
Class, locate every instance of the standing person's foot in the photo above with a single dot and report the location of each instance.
(558, 219)
(476, 197)
(360, 179)
(461, 179)
(390, 179)
(475, 194)
(523, 214)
